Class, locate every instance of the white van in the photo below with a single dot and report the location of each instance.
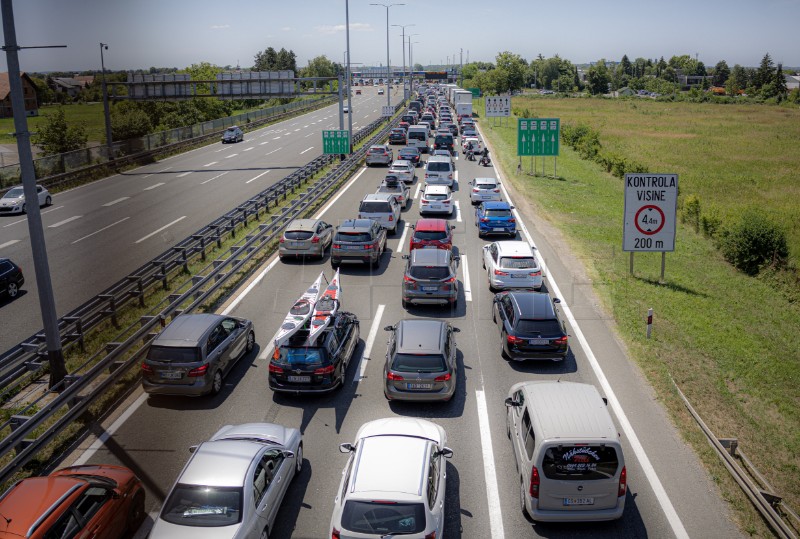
(417, 137)
(568, 453)
(439, 170)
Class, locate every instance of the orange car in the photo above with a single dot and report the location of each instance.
(106, 500)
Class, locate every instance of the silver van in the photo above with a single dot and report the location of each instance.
(381, 207)
(567, 451)
(439, 170)
(417, 137)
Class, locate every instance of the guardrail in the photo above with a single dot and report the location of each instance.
(54, 411)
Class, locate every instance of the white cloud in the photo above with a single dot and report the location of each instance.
(337, 28)
(219, 26)
(287, 28)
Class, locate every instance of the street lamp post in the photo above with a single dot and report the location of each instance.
(106, 112)
(347, 74)
(387, 6)
(405, 79)
(411, 64)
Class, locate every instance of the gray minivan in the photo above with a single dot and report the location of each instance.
(567, 451)
(194, 353)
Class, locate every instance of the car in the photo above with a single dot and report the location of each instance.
(430, 278)
(394, 483)
(484, 189)
(495, 218)
(431, 233)
(95, 500)
(358, 91)
(13, 200)
(408, 118)
(428, 125)
(421, 363)
(404, 126)
(383, 208)
(403, 169)
(233, 134)
(444, 141)
(569, 459)
(468, 142)
(194, 352)
(363, 240)
(298, 366)
(440, 170)
(11, 278)
(380, 91)
(436, 199)
(470, 132)
(392, 184)
(530, 325)
(511, 264)
(345, 109)
(233, 484)
(410, 154)
(305, 237)
(397, 136)
(453, 128)
(379, 154)
(428, 117)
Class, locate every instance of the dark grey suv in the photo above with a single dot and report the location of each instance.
(530, 326)
(363, 240)
(430, 278)
(421, 361)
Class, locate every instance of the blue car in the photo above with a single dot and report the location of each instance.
(495, 218)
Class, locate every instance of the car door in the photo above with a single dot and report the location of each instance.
(235, 341)
(260, 483)
(278, 467)
(95, 509)
(325, 232)
(215, 349)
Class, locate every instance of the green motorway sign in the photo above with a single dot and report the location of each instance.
(538, 136)
(476, 92)
(335, 141)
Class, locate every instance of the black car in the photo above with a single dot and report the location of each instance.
(302, 367)
(397, 136)
(11, 278)
(530, 325)
(409, 153)
(444, 142)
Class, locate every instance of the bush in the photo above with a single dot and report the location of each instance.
(710, 223)
(691, 211)
(753, 242)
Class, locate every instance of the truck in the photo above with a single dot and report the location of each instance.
(463, 109)
(462, 96)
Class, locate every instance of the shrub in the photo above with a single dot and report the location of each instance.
(752, 242)
(691, 211)
(710, 223)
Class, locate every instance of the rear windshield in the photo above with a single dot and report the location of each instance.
(202, 506)
(174, 354)
(298, 234)
(444, 140)
(580, 462)
(417, 135)
(436, 196)
(302, 356)
(433, 273)
(374, 207)
(430, 235)
(439, 166)
(539, 327)
(412, 151)
(497, 213)
(377, 150)
(418, 363)
(383, 518)
(355, 237)
(517, 262)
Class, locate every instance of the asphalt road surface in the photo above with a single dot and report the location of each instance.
(670, 495)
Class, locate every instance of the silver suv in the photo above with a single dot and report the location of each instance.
(382, 208)
(363, 240)
(380, 154)
(430, 278)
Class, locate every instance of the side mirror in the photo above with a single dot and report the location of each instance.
(193, 448)
(405, 257)
(456, 330)
(388, 328)
(510, 402)
(556, 300)
(346, 448)
(288, 454)
(605, 401)
(511, 207)
(446, 452)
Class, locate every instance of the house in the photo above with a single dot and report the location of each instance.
(71, 86)
(28, 93)
(792, 82)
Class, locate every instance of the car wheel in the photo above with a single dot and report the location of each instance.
(405, 304)
(23, 209)
(298, 465)
(48, 201)
(135, 513)
(503, 338)
(335, 263)
(251, 342)
(12, 290)
(216, 383)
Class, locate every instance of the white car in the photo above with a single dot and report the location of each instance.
(233, 484)
(471, 141)
(404, 170)
(484, 189)
(511, 264)
(346, 109)
(394, 483)
(14, 200)
(436, 199)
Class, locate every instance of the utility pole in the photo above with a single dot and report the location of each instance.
(47, 302)
(106, 111)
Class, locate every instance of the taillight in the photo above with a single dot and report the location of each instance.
(337, 245)
(147, 369)
(431, 535)
(536, 274)
(534, 487)
(325, 370)
(511, 339)
(394, 377)
(391, 218)
(512, 220)
(498, 272)
(497, 190)
(274, 369)
(199, 371)
(560, 341)
(424, 200)
(335, 534)
(282, 240)
(369, 246)
(442, 378)
(315, 239)
(623, 482)
(475, 190)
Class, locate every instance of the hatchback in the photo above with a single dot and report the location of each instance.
(363, 240)
(436, 199)
(435, 233)
(430, 278)
(11, 278)
(394, 482)
(233, 485)
(410, 154)
(306, 237)
(404, 170)
(97, 500)
(379, 154)
(232, 134)
(530, 326)
(484, 189)
(14, 199)
(194, 353)
(421, 361)
(511, 264)
(495, 218)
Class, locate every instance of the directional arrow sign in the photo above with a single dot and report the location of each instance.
(538, 136)
(335, 141)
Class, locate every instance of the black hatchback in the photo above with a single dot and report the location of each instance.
(530, 325)
(319, 367)
(11, 278)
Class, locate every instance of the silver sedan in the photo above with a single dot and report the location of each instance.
(14, 200)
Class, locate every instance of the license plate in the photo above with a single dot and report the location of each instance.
(171, 375)
(430, 288)
(299, 378)
(539, 341)
(419, 386)
(296, 244)
(498, 229)
(519, 276)
(352, 247)
(436, 206)
(578, 501)
(486, 197)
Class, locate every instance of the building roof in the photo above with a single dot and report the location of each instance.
(5, 86)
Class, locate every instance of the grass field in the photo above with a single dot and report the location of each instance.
(730, 342)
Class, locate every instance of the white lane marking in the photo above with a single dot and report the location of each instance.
(341, 192)
(652, 477)
(211, 163)
(250, 287)
(65, 221)
(140, 240)
(307, 150)
(99, 231)
(276, 138)
(492, 492)
(107, 204)
(467, 285)
(154, 186)
(305, 127)
(458, 211)
(220, 150)
(8, 243)
(309, 135)
(184, 174)
(51, 209)
(17, 222)
(248, 149)
(262, 143)
(257, 177)
(231, 155)
(416, 193)
(403, 239)
(89, 453)
(273, 151)
(373, 332)
(156, 172)
(296, 130)
(294, 124)
(214, 178)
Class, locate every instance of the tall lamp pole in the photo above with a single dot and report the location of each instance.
(106, 112)
(405, 78)
(347, 74)
(387, 6)
(411, 59)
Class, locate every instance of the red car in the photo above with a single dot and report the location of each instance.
(431, 233)
(101, 500)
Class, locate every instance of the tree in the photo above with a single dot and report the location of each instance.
(287, 61)
(265, 60)
(55, 136)
(202, 71)
(129, 122)
(514, 67)
(780, 81)
(625, 65)
(721, 73)
(597, 78)
(763, 74)
(319, 67)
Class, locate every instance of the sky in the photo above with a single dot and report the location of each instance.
(177, 33)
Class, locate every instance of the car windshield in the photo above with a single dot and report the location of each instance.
(174, 354)
(409, 151)
(430, 235)
(302, 356)
(429, 273)
(419, 363)
(374, 207)
(16, 192)
(383, 517)
(497, 213)
(518, 262)
(203, 506)
(538, 327)
(353, 237)
(580, 463)
(298, 235)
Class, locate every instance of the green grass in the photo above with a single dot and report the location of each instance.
(729, 341)
(90, 115)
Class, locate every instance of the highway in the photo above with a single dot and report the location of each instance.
(670, 494)
(99, 233)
